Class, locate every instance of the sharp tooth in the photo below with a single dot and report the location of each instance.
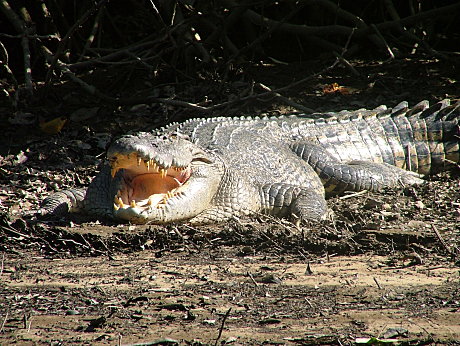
(139, 161)
(147, 164)
(170, 194)
(133, 204)
(114, 171)
(163, 172)
(116, 207)
(120, 202)
(149, 202)
(154, 166)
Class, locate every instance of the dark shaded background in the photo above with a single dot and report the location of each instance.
(128, 51)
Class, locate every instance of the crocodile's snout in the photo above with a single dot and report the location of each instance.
(145, 182)
(154, 173)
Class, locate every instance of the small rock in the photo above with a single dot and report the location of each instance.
(83, 114)
(230, 340)
(387, 206)
(80, 144)
(372, 203)
(209, 322)
(420, 205)
(270, 279)
(395, 332)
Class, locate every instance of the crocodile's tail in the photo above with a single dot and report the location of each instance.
(442, 111)
(442, 130)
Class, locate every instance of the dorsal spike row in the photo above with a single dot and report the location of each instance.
(419, 107)
(434, 109)
(381, 108)
(448, 112)
(452, 112)
(401, 108)
(442, 110)
(331, 120)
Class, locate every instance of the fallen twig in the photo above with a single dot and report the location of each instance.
(74, 242)
(2, 264)
(377, 283)
(252, 279)
(441, 240)
(222, 326)
(287, 100)
(4, 322)
(347, 64)
(351, 195)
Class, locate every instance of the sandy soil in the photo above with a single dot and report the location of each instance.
(185, 297)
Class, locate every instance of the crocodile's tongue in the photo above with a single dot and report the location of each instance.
(151, 186)
(144, 190)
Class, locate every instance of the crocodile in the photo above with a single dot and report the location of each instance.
(207, 170)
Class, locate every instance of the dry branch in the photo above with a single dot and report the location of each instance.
(373, 31)
(293, 29)
(187, 36)
(22, 29)
(68, 35)
(416, 18)
(66, 71)
(340, 12)
(112, 57)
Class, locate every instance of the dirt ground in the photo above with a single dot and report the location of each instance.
(387, 267)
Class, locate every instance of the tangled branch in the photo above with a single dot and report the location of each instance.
(187, 38)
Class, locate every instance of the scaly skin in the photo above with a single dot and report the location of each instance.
(208, 170)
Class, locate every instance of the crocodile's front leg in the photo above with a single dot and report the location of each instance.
(97, 199)
(63, 202)
(238, 197)
(292, 201)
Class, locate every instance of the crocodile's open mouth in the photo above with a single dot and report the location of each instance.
(146, 183)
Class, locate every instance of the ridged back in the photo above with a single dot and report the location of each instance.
(422, 138)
